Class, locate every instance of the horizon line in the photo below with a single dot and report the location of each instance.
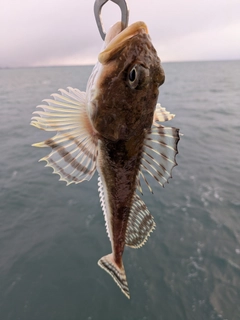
(90, 65)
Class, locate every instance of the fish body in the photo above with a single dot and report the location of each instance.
(113, 128)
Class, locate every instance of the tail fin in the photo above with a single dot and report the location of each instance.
(118, 274)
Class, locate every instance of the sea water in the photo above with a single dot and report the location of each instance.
(51, 236)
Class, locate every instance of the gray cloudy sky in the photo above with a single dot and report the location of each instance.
(56, 32)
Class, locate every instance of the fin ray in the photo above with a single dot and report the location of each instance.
(159, 154)
(118, 273)
(74, 147)
(103, 205)
(161, 115)
(140, 224)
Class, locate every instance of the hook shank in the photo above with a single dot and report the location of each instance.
(97, 12)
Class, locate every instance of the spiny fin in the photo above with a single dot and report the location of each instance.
(159, 154)
(74, 147)
(103, 204)
(118, 274)
(140, 224)
(161, 114)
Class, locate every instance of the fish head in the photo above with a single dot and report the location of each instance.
(125, 89)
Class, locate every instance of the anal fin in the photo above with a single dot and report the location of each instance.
(103, 205)
(140, 224)
(118, 273)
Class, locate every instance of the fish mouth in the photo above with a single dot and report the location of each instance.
(116, 39)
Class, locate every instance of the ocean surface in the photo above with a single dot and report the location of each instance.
(51, 236)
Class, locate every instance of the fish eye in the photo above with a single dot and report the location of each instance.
(132, 74)
(133, 77)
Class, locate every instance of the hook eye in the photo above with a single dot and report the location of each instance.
(97, 12)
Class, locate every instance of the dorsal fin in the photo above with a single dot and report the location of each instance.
(159, 154)
(74, 147)
(161, 114)
(140, 224)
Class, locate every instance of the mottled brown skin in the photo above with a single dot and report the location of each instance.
(120, 164)
(122, 117)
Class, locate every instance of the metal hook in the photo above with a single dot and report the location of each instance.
(97, 12)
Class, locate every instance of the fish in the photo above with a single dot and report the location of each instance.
(114, 128)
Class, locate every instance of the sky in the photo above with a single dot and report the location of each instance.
(56, 32)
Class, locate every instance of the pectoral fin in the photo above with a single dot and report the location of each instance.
(159, 154)
(74, 147)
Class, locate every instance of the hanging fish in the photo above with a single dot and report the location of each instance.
(114, 128)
